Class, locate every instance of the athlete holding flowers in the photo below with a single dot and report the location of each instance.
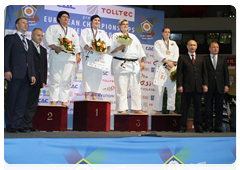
(89, 43)
(126, 65)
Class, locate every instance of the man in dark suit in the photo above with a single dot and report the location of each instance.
(40, 63)
(218, 81)
(192, 81)
(19, 73)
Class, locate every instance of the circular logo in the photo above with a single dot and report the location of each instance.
(28, 11)
(146, 27)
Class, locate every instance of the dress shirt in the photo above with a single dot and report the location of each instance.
(190, 55)
(37, 46)
(211, 57)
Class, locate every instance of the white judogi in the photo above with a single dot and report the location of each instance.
(61, 64)
(127, 78)
(92, 77)
(160, 49)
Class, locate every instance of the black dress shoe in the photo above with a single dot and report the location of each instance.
(218, 130)
(12, 130)
(182, 130)
(209, 129)
(199, 131)
(23, 130)
(32, 129)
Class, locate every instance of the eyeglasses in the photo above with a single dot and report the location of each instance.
(124, 24)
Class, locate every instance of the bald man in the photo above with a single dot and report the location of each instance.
(192, 81)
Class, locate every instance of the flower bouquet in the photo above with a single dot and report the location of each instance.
(99, 46)
(66, 44)
(124, 40)
(173, 74)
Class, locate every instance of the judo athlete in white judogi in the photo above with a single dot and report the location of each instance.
(92, 77)
(61, 63)
(166, 52)
(126, 68)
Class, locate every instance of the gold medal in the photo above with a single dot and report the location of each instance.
(168, 52)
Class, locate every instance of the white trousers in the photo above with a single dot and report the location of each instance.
(125, 81)
(171, 95)
(91, 78)
(60, 80)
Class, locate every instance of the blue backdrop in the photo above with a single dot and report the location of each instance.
(130, 150)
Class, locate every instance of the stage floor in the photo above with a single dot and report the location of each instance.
(112, 134)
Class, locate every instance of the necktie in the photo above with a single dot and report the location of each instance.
(214, 62)
(24, 42)
(193, 59)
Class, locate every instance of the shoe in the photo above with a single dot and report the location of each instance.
(209, 129)
(32, 129)
(23, 130)
(218, 130)
(182, 130)
(199, 131)
(12, 130)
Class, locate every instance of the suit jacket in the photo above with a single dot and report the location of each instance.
(40, 63)
(16, 59)
(220, 76)
(190, 76)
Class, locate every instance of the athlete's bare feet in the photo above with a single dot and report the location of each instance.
(172, 113)
(54, 103)
(158, 113)
(87, 96)
(138, 112)
(94, 98)
(65, 104)
(124, 112)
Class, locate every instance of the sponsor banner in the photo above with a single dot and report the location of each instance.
(180, 153)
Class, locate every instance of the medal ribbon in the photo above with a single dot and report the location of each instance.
(167, 44)
(94, 35)
(65, 31)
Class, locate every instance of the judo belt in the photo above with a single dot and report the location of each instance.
(125, 59)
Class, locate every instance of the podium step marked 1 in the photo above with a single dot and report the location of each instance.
(91, 115)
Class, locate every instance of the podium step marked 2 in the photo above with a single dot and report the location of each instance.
(50, 118)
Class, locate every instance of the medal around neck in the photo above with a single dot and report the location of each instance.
(168, 52)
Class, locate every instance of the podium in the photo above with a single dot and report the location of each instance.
(91, 115)
(50, 118)
(165, 122)
(131, 122)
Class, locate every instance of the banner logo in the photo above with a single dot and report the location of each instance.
(92, 9)
(115, 12)
(146, 28)
(83, 164)
(173, 164)
(29, 11)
